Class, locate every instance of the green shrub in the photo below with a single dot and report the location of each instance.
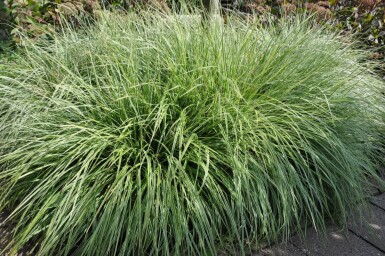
(37, 18)
(155, 135)
(363, 18)
(4, 20)
(366, 20)
(366, 17)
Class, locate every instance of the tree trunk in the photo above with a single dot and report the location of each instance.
(212, 11)
(213, 7)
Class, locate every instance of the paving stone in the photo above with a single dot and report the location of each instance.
(6, 237)
(374, 187)
(379, 201)
(376, 184)
(370, 226)
(5, 234)
(334, 242)
(281, 250)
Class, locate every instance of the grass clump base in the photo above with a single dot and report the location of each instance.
(156, 135)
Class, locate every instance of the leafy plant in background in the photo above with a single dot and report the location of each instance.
(364, 18)
(154, 135)
(36, 18)
(4, 26)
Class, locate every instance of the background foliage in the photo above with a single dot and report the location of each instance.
(364, 16)
(366, 19)
(37, 17)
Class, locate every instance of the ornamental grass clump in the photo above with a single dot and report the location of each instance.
(157, 135)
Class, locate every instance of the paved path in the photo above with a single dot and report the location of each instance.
(362, 238)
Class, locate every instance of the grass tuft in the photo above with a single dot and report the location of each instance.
(155, 135)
